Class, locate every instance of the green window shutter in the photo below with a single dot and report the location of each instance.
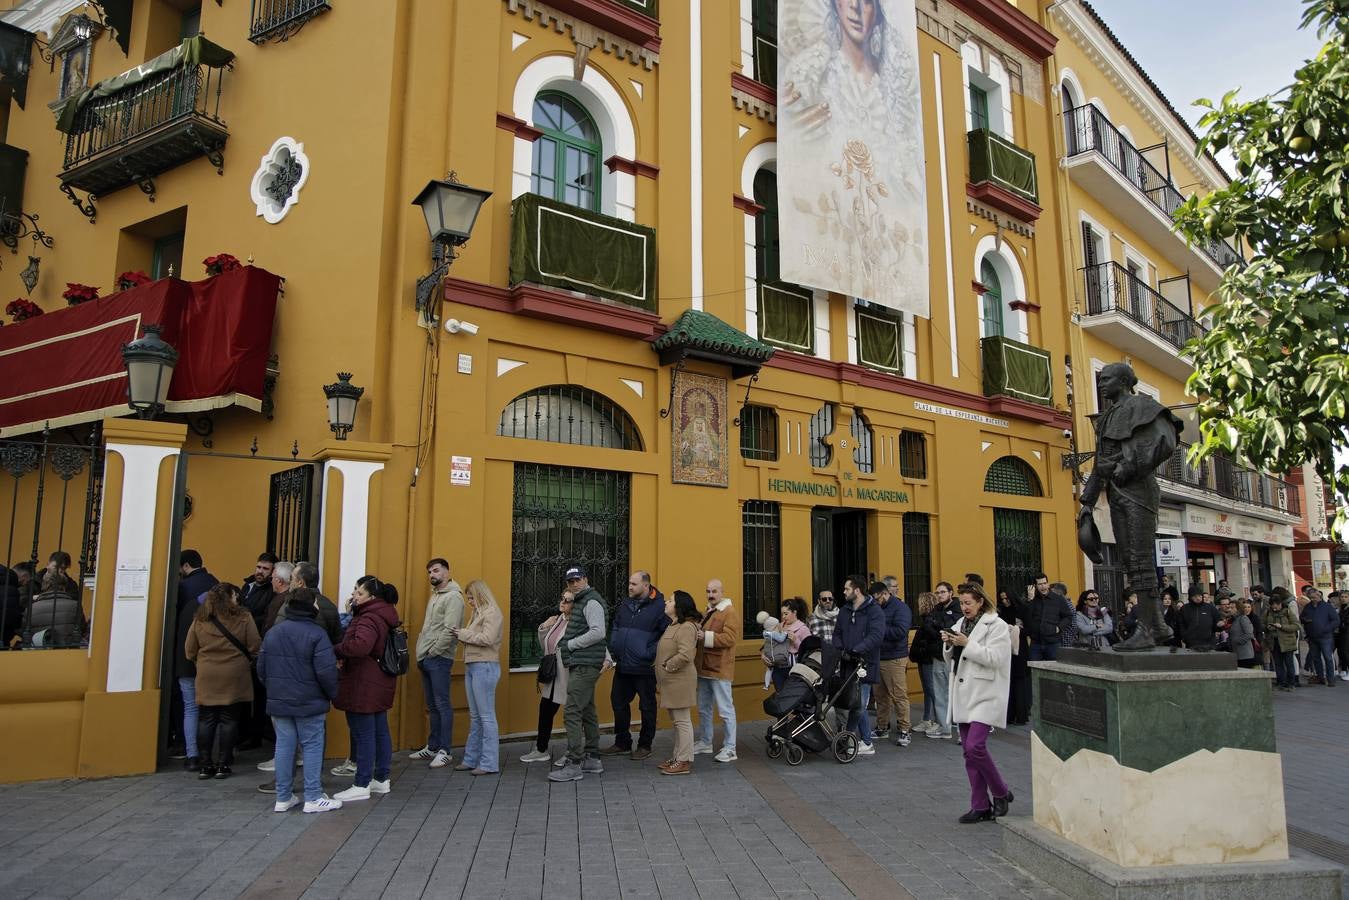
(786, 317)
(878, 341)
(978, 107)
(988, 276)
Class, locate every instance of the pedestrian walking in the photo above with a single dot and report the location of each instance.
(639, 622)
(435, 660)
(718, 634)
(978, 654)
(582, 651)
(221, 643)
(552, 678)
(859, 634)
(481, 638)
(364, 690)
(677, 677)
(892, 682)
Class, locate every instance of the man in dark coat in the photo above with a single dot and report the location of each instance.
(193, 582)
(638, 624)
(1048, 614)
(256, 591)
(1199, 620)
(1319, 622)
(892, 690)
(859, 633)
(11, 607)
(306, 575)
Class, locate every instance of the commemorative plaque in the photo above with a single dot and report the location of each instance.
(1077, 707)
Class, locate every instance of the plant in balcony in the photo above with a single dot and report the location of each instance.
(21, 309)
(76, 293)
(127, 280)
(221, 262)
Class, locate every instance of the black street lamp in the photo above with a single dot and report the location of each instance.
(451, 209)
(342, 398)
(149, 369)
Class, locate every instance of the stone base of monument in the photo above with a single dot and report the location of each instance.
(1155, 775)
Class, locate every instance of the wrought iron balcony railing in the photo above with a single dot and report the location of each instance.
(1112, 288)
(1090, 131)
(1223, 476)
(281, 19)
(1017, 370)
(996, 160)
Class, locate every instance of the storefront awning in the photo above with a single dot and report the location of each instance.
(701, 335)
(66, 367)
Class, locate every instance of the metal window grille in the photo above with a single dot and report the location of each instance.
(913, 455)
(1010, 475)
(761, 527)
(863, 442)
(821, 426)
(566, 414)
(1016, 549)
(289, 513)
(759, 432)
(281, 19)
(563, 516)
(1109, 580)
(917, 556)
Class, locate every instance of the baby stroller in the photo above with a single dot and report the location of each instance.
(803, 710)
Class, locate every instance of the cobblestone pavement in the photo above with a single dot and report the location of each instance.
(881, 827)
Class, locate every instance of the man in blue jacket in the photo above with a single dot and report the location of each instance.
(299, 668)
(638, 625)
(892, 689)
(1319, 622)
(859, 632)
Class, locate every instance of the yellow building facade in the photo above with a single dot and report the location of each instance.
(612, 404)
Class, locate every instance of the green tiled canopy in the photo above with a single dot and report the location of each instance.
(701, 335)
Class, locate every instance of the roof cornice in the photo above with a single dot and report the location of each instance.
(1011, 24)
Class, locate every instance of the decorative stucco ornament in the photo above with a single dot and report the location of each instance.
(284, 169)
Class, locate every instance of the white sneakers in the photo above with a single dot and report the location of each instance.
(287, 805)
(701, 747)
(424, 753)
(268, 766)
(865, 749)
(534, 756)
(727, 754)
(346, 768)
(441, 759)
(322, 804)
(354, 793)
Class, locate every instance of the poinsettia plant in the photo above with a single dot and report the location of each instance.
(75, 294)
(221, 262)
(127, 280)
(22, 309)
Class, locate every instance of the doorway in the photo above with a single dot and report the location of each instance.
(838, 547)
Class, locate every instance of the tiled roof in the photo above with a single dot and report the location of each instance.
(699, 333)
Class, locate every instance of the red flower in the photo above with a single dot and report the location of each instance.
(22, 309)
(221, 262)
(128, 280)
(76, 294)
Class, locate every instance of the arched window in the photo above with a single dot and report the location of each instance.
(567, 414)
(821, 426)
(863, 443)
(566, 162)
(1010, 475)
(992, 299)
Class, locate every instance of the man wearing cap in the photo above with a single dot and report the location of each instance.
(582, 652)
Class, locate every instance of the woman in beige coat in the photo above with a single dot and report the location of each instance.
(481, 638)
(222, 641)
(677, 677)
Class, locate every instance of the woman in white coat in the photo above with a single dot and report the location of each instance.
(978, 653)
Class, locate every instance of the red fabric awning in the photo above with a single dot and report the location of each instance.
(65, 367)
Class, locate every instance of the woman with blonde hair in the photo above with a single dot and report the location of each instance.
(978, 653)
(222, 641)
(481, 638)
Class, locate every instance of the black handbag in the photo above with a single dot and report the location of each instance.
(548, 668)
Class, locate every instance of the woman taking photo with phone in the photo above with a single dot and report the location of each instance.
(978, 653)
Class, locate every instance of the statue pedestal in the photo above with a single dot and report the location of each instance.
(1154, 775)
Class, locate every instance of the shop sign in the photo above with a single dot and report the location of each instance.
(1340, 556)
(1201, 520)
(960, 414)
(1170, 520)
(846, 492)
(1171, 552)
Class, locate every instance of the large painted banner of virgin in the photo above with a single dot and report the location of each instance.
(852, 197)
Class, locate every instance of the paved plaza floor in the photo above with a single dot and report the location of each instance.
(882, 827)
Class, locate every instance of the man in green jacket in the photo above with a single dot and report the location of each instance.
(1282, 629)
(435, 658)
(582, 651)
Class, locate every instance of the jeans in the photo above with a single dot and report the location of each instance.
(190, 715)
(859, 721)
(480, 683)
(221, 721)
(1285, 675)
(985, 780)
(579, 715)
(439, 710)
(374, 746)
(1322, 657)
(626, 686)
(925, 678)
(718, 690)
(547, 713)
(306, 732)
(941, 694)
(892, 692)
(1043, 652)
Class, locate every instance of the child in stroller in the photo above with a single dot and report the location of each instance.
(803, 710)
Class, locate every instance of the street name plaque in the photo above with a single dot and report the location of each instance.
(1073, 706)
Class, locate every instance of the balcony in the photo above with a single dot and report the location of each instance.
(1017, 370)
(1223, 477)
(280, 19)
(1003, 175)
(562, 246)
(1123, 311)
(1107, 166)
(130, 128)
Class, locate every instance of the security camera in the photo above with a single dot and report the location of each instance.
(1067, 434)
(454, 326)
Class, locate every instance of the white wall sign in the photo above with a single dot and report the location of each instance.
(1171, 552)
(1170, 520)
(960, 414)
(461, 470)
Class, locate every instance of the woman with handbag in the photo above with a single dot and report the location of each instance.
(677, 677)
(223, 642)
(364, 690)
(552, 679)
(481, 638)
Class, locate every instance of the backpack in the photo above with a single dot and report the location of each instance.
(394, 660)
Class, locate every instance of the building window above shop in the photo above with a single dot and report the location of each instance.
(765, 31)
(990, 319)
(566, 164)
(759, 433)
(879, 339)
(567, 414)
(864, 442)
(912, 454)
(821, 427)
(786, 312)
(917, 557)
(988, 91)
(1010, 475)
